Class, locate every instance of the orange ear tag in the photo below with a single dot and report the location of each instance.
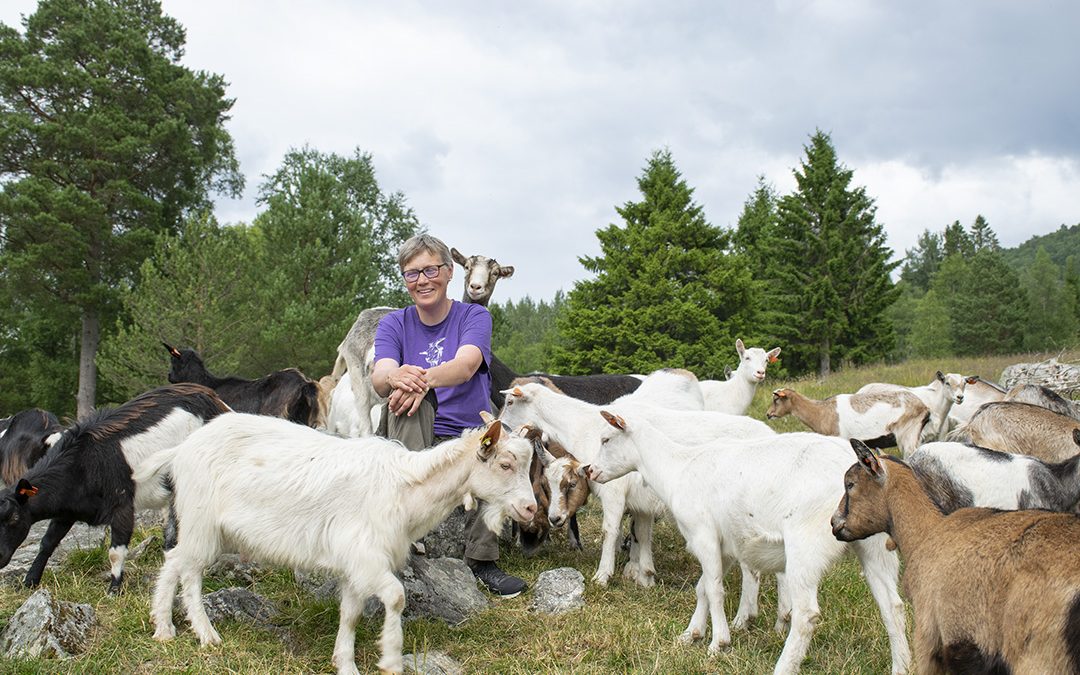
(28, 492)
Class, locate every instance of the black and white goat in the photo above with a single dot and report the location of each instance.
(86, 475)
(287, 393)
(28, 435)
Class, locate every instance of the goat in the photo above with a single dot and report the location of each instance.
(762, 501)
(571, 420)
(290, 495)
(535, 532)
(597, 389)
(957, 475)
(939, 396)
(977, 391)
(86, 475)
(28, 435)
(1045, 397)
(343, 417)
(1022, 429)
(284, 393)
(870, 415)
(993, 591)
(734, 395)
(481, 275)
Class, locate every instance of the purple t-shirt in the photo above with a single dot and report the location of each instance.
(403, 337)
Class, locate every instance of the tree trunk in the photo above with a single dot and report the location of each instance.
(824, 366)
(88, 346)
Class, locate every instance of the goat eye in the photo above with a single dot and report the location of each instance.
(573, 485)
(603, 441)
(505, 466)
(848, 485)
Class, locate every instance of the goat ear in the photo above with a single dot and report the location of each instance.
(972, 379)
(489, 440)
(739, 346)
(774, 355)
(487, 417)
(867, 459)
(24, 490)
(173, 351)
(458, 258)
(940, 376)
(506, 271)
(614, 420)
(779, 393)
(582, 471)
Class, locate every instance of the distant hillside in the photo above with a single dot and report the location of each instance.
(1060, 245)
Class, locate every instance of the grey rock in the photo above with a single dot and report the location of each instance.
(239, 604)
(44, 627)
(443, 588)
(322, 586)
(447, 540)
(432, 663)
(558, 591)
(233, 569)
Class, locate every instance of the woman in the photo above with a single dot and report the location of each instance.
(431, 361)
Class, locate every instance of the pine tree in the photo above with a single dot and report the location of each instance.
(665, 292)
(832, 266)
(106, 140)
(923, 261)
(983, 237)
(957, 241)
(987, 306)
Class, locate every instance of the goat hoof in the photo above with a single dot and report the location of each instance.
(715, 649)
(688, 636)
(741, 622)
(210, 639)
(165, 633)
(601, 579)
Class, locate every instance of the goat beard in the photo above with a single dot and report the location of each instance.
(493, 517)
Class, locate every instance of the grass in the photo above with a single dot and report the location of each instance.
(621, 629)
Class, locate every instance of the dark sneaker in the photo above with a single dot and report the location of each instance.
(498, 582)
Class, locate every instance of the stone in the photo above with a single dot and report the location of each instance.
(447, 539)
(558, 591)
(432, 663)
(239, 604)
(233, 569)
(46, 627)
(81, 536)
(440, 588)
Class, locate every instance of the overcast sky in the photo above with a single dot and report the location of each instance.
(515, 128)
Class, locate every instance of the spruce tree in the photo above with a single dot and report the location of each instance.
(665, 292)
(1051, 320)
(832, 267)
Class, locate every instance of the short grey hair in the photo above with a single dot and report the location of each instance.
(422, 243)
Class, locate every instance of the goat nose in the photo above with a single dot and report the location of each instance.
(530, 509)
(556, 520)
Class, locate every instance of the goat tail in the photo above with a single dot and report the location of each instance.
(340, 366)
(153, 478)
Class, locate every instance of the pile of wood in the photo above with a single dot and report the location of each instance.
(1064, 378)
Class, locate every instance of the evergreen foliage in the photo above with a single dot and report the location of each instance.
(105, 141)
(830, 268)
(923, 261)
(524, 332)
(1052, 321)
(665, 293)
(281, 293)
(987, 306)
(331, 240)
(1059, 244)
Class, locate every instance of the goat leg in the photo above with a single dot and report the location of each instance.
(58, 529)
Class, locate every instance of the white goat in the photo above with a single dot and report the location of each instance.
(765, 502)
(938, 396)
(286, 494)
(977, 391)
(868, 416)
(734, 395)
(571, 421)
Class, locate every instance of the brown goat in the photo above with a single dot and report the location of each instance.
(868, 416)
(1023, 429)
(535, 532)
(993, 591)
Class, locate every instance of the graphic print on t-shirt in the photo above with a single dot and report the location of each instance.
(434, 353)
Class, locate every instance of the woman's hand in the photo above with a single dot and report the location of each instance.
(408, 379)
(405, 402)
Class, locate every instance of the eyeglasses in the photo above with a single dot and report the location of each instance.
(431, 271)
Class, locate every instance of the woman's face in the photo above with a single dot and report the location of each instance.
(428, 293)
